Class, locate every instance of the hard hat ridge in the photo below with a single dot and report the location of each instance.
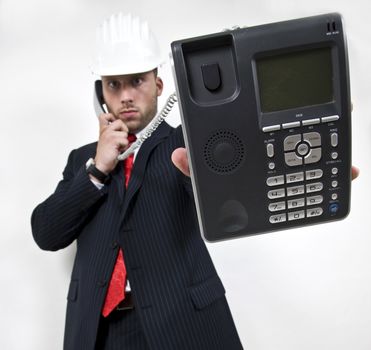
(125, 45)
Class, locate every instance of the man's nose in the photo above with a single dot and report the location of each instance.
(127, 94)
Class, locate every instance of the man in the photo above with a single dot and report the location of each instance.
(140, 227)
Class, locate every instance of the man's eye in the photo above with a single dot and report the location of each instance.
(137, 81)
(113, 85)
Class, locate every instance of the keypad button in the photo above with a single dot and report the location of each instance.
(290, 125)
(334, 139)
(275, 219)
(295, 190)
(296, 215)
(278, 193)
(295, 177)
(271, 128)
(290, 142)
(271, 165)
(295, 203)
(334, 171)
(334, 183)
(270, 150)
(314, 200)
(276, 180)
(277, 206)
(334, 196)
(313, 156)
(311, 121)
(314, 187)
(334, 155)
(302, 149)
(314, 212)
(292, 159)
(331, 118)
(313, 138)
(313, 174)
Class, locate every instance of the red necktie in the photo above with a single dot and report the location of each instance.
(116, 288)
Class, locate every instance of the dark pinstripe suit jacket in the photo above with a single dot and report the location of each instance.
(179, 297)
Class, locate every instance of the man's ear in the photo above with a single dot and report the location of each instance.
(159, 85)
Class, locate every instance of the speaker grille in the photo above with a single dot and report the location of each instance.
(224, 152)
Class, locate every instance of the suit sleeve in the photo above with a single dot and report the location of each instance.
(58, 220)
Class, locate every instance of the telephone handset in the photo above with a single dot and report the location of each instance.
(99, 104)
(101, 107)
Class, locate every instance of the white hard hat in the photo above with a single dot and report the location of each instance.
(125, 45)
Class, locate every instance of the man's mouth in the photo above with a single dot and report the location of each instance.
(129, 113)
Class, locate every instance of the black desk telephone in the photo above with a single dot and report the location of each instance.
(266, 113)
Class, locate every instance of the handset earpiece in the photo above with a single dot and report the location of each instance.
(99, 104)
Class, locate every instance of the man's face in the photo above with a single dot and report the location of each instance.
(132, 98)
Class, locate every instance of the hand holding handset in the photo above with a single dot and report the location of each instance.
(100, 107)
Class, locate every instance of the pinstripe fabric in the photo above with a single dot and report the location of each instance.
(180, 302)
(121, 330)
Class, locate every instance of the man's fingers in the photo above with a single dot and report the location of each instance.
(180, 160)
(105, 119)
(355, 172)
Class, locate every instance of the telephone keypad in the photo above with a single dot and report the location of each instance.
(296, 196)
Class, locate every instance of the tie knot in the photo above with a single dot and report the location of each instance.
(131, 138)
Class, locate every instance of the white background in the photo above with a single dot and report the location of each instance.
(299, 289)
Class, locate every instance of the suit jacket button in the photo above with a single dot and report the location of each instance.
(114, 245)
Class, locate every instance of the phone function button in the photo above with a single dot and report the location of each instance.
(314, 212)
(290, 125)
(295, 203)
(271, 165)
(331, 118)
(334, 184)
(272, 128)
(314, 187)
(292, 159)
(277, 206)
(334, 139)
(270, 150)
(313, 174)
(313, 156)
(290, 142)
(275, 219)
(334, 196)
(278, 193)
(295, 177)
(313, 200)
(276, 180)
(334, 155)
(334, 171)
(334, 208)
(296, 215)
(313, 138)
(295, 190)
(311, 121)
(302, 149)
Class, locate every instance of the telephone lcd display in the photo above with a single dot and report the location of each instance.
(296, 79)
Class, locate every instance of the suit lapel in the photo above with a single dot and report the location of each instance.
(140, 164)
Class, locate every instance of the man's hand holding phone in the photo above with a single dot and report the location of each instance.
(113, 140)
